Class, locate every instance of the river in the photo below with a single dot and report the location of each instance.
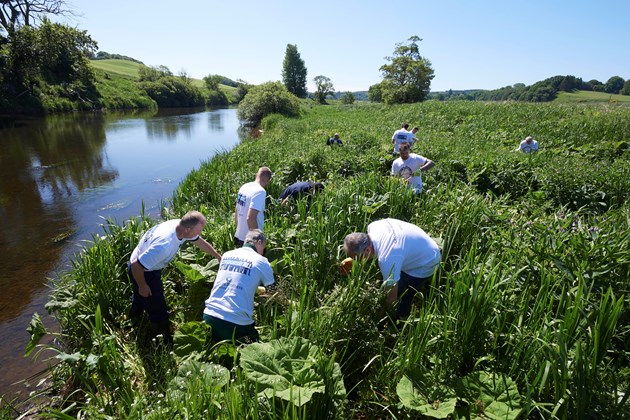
(60, 177)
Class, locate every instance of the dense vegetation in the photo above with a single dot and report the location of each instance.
(528, 314)
(46, 69)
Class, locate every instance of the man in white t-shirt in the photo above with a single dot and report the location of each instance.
(409, 166)
(528, 145)
(250, 205)
(407, 258)
(400, 136)
(230, 308)
(156, 249)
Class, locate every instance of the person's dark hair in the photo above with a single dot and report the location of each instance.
(405, 126)
(317, 187)
(192, 219)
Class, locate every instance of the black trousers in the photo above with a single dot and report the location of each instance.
(408, 286)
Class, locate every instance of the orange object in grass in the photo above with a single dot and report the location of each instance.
(346, 266)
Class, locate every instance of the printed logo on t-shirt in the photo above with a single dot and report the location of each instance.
(240, 199)
(237, 265)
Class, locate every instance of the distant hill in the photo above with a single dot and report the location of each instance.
(102, 55)
(547, 90)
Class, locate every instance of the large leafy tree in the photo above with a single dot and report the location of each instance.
(614, 84)
(625, 90)
(323, 88)
(294, 72)
(375, 93)
(407, 78)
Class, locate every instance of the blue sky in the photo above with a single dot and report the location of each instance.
(471, 44)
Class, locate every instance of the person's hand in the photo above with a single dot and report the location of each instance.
(345, 267)
(145, 291)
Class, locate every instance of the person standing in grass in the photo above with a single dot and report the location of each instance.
(407, 258)
(229, 309)
(400, 136)
(528, 145)
(250, 205)
(156, 249)
(413, 138)
(298, 189)
(409, 166)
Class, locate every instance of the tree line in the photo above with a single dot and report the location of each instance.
(543, 91)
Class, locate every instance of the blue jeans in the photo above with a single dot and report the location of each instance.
(154, 305)
(408, 286)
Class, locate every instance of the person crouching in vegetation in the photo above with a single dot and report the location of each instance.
(528, 145)
(156, 249)
(409, 166)
(299, 189)
(334, 141)
(229, 309)
(407, 258)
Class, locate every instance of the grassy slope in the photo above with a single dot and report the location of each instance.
(129, 69)
(585, 96)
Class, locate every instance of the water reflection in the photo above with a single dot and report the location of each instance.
(43, 162)
(61, 175)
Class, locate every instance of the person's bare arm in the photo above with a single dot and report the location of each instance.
(205, 246)
(252, 222)
(138, 276)
(430, 164)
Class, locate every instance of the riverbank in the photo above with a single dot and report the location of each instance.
(61, 178)
(531, 291)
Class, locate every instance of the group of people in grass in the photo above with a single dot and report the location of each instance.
(407, 256)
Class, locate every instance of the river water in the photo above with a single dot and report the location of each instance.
(60, 177)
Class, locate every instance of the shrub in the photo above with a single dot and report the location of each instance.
(171, 91)
(268, 98)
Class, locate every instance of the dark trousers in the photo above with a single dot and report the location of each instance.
(408, 286)
(154, 305)
(224, 330)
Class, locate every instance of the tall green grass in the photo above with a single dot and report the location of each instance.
(533, 285)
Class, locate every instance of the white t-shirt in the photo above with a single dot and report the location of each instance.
(528, 148)
(401, 246)
(401, 136)
(407, 169)
(240, 273)
(250, 196)
(158, 246)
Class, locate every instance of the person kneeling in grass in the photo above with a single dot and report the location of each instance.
(229, 309)
(407, 258)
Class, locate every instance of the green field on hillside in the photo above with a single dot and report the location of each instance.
(124, 68)
(129, 69)
(583, 96)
